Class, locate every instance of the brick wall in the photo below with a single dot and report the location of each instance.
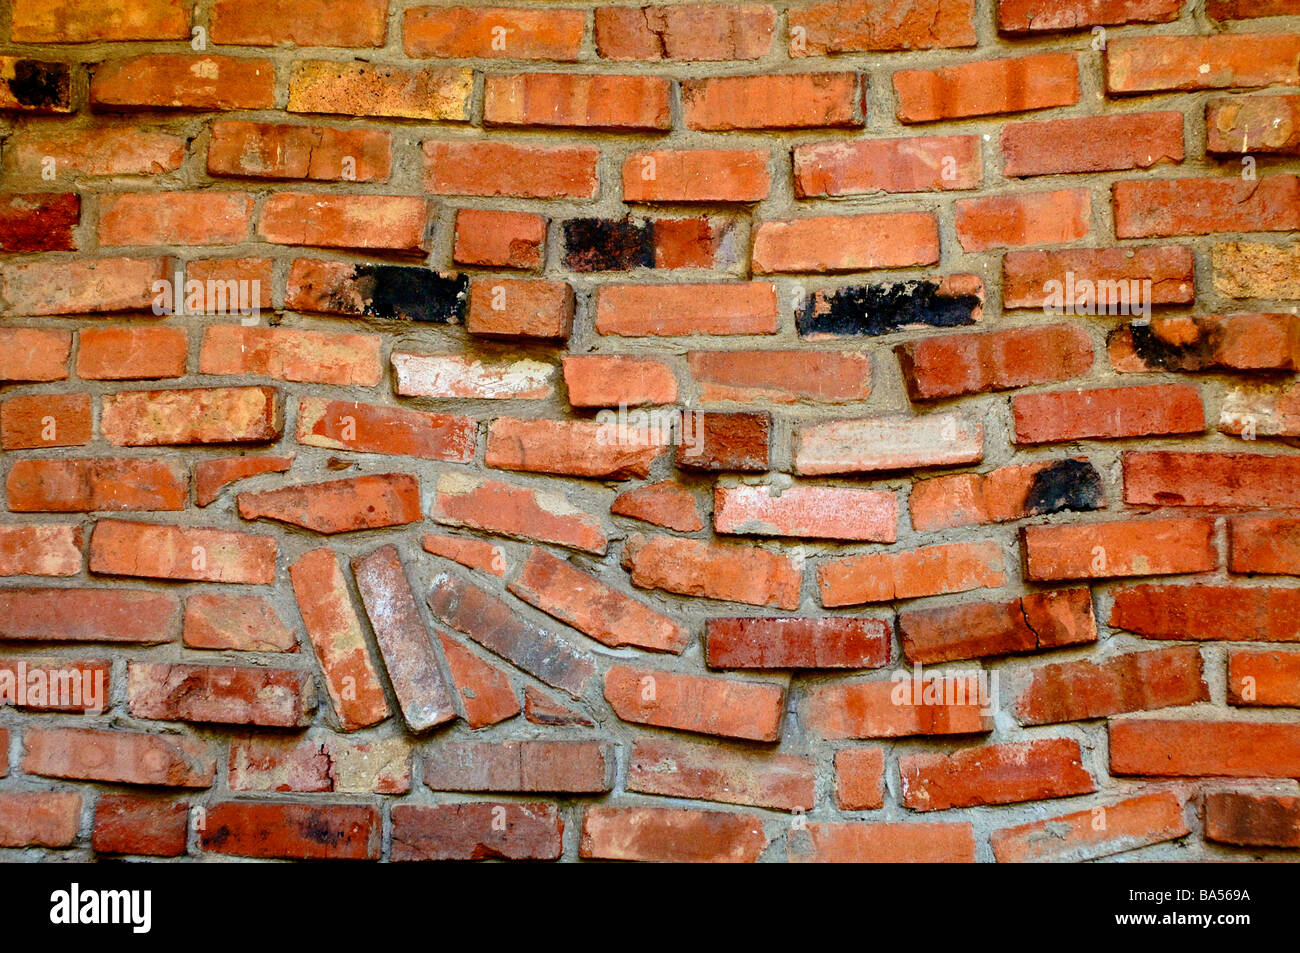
(743, 431)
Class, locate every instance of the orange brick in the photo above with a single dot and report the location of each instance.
(1012, 221)
(184, 81)
(701, 703)
(789, 101)
(499, 239)
(348, 23)
(1096, 832)
(689, 32)
(928, 571)
(847, 243)
(155, 551)
(994, 774)
(1150, 547)
(1108, 414)
(1156, 63)
(618, 103)
(987, 87)
(492, 33)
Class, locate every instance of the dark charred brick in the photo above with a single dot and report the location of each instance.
(38, 86)
(411, 294)
(39, 221)
(608, 244)
(887, 307)
(737, 442)
(1158, 353)
(1064, 485)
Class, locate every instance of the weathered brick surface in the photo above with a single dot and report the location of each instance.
(538, 431)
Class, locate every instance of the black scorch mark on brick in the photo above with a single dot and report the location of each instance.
(608, 244)
(1064, 485)
(1154, 351)
(411, 294)
(41, 85)
(882, 308)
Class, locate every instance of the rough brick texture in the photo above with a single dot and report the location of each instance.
(571, 431)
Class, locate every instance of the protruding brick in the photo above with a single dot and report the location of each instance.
(374, 428)
(35, 549)
(497, 507)
(806, 511)
(454, 376)
(781, 377)
(282, 151)
(1253, 124)
(34, 354)
(93, 286)
(699, 703)
(896, 709)
(110, 150)
(860, 779)
(952, 365)
(689, 567)
(713, 31)
(235, 622)
(40, 421)
(1050, 16)
(1171, 478)
(1097, 832)
(86, 22)
(391, 222)
(1159, 208)
(1032, 279)
(383, 92)
(1148, 64)
(1237, 817)
(200, 415)
(1263, 678)
(994, 774)
(601, 380)
(1137, 681)
(797, 643)
(39, 819)
(472, 553)
(695, 175)
(222, 694)
(349, 23)
(740, 442)
(1201, 613)
(853, 26)
(916, 164)
(493, 239)
(583, 448)
(131, 353)
(1039, 620)
(1150, 547)
(1005, 494)
(891, 843)
(664, 504)
(506, 307)
(372, 501)
(486, 693)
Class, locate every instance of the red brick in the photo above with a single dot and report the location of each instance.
(486, 694)
(1253, 124)
(1264, 544)
(222, 694)
(40, 549)
(891, 843)
(143, 826)
(39, 221)
(928, 571)
(695, 175)
(542, 709)
(616, 103)
(1108, 414)
(664, 504)
(916, 164)
(493, 168)
(299, 22)
(994, 774)
(501, 508)
(235, 622)
(495, 624)
(109, 150)
(374, 428)
(473, 553)
(45, 420)
(601, 380)
(96, 485)
(583, 448)
(481, 830)
(898, 709)
(335, 632)
(1169, 478)
(860, 779)
(118, 757)
(828, 642)
(1207, 342)
(1231, 613)
(89, 615)
(1092, 143)
(1158, 208)
(198, 554)
(199, 415)
(846, 243)
(713, 31)
(1250, 820)
(1051, 16)
(781, 377)
(212, 476)
(372, 501)
(1096, 832)
(1039, 620)
(885, 443)
(672, 310)
(734, 573)
(739, 442)
(951, 365)
(1013, 221)
(852, 26)
(1150, 547)
(97, 286)
(453, 375)
(499, 239)
(391, 222)
(318, 762)
(789, 101)
(1263, 678)
(293, 831)
(688, 769)
(1005, 494)
(174, 218)
(507, 307)
(584, 602)
(987, 87)
(80, 686)
(34, 354)
(184, 81)
(818, 512)
(1236, 10)
(1157, 63)
(706, 704)
(1028, 275)
(1137, 681)
(1236, 749)
(281, 151)
(422, 690)
(45, 819)
(123, 353)
(85, 21)
(671, 835)
(251, 289)
(380, 91)
(292, 354)
(578, 767)
(492, 33)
